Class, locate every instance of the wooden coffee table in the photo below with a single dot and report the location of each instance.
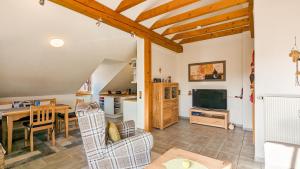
(174, 153)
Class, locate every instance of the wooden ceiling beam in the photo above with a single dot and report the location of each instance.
(207, 21)
(167, 7)
(220, 5)
(212, 29)
(251, 18)
(127, 4)
(216, 35)
(97, 11)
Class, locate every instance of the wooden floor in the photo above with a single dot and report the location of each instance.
(235, 146)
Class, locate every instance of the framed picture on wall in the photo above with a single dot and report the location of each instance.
(207, 71)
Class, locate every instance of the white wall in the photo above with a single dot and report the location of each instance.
(236, 50)
(164, 59)
(122, 80)
(274, 69)
(104, 73)
(161, 58)
(232, 49)
(140, 83)
(247, 106)
(69, 99)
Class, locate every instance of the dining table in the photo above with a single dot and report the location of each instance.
(14, 114)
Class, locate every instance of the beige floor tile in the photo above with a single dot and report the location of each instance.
(209, 153)
(249, 164)
(235, 146)
(22, 157)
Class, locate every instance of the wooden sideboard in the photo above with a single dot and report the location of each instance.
(216, 118)
(165, 104)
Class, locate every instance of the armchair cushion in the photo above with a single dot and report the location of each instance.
(133, 152)
(93, 130)
(113, 132)
(126, 129)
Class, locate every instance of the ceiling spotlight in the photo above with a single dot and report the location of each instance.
(57, 43)
(199, 27)
(42, 2)
(132, 34)
(99, 21)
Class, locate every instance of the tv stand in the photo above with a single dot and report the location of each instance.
(216, 118)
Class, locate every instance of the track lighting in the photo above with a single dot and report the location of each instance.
(132, 34)
(99, 22)
(42, 2)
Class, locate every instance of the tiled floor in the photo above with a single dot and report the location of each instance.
(235, 146)
(230, 145)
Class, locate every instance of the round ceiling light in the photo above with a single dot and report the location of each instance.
(57, 43)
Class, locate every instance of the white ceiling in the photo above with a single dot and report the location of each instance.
(133, 12)
(30, 66)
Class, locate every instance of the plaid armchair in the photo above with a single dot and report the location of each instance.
(132, 152)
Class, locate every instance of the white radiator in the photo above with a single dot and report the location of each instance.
(282, 119)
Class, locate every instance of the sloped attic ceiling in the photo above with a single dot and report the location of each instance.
(122, 81)
(30, 66)
(133, 12)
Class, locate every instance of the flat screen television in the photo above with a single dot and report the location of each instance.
(210, 98)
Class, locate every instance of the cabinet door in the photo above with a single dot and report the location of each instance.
(175, 112)
(167, 93)
(174, 92)
(167, 116)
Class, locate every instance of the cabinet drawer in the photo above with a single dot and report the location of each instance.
(207, 121)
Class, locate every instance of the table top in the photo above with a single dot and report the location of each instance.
(6, 112)
(174, 153)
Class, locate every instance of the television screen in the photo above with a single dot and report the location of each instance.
(210, 98)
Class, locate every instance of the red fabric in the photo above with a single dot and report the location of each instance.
(252, 72)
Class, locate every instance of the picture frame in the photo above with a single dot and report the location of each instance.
(207, 71)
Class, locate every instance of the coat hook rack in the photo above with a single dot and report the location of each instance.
(295, 55)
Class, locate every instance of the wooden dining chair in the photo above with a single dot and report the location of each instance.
(41, 118)
(72, 116)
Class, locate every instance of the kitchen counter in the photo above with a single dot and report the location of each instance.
(131, 99)
(118, 95)
(130, 110)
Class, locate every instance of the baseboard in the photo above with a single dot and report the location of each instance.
(259, 159)
(241, 126)
(247, 129)
(184, 118)
(237, 125)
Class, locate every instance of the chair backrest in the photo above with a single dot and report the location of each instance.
(42, 115)
(92, 126)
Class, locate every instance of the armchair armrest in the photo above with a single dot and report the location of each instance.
(140, 142)
(133, 152)
(126, 129)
